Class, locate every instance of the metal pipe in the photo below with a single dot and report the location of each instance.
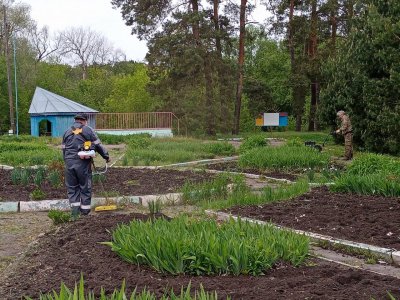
(16, 86)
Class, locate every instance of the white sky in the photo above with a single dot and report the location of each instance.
(96, 14)
(99, 16)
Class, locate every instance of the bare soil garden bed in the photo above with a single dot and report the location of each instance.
(118, 182)
(64, 254)
(368, 219)
(232, 166)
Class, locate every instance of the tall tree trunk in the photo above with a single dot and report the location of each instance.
(296, 88)
(312, 51)
(84, 71)
(7, 57)
(210, 127)
(209, 99)
(224, 119)
(239, 88)
(334, 11)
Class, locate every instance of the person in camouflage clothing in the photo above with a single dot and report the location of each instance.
(347, 131)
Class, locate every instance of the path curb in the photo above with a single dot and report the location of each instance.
(5, 167)
(9, 207)
(200, 162)
(248, 175)
(63, 204)
(391, 255)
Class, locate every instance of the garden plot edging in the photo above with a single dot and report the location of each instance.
(248, 175)
(200, 162)
(63, 204)
(391, 255)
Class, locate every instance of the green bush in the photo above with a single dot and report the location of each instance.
(252, 142)
(184, 246)
(285, 157)
(59, 217)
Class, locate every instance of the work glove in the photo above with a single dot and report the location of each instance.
(108, 160)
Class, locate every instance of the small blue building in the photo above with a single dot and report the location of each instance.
(52, 114)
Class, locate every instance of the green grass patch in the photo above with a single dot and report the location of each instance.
(216, 194)
(371, 174)
(318, 137)
(370, 163)
(79, 293)
(284, 158)
(113, 139)
(174, 150)
(253, 141)
(372, 184)
(185, 246)
(27, 151)
(268, 195)
(211, 190)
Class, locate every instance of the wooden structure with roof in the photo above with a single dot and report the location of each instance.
(52, 114)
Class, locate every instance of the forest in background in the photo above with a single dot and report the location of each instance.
(216, 70)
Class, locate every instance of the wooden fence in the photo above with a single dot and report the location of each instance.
(143, 120)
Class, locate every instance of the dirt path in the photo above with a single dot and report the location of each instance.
(17, 231)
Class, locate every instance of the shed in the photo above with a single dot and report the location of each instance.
(52, 114)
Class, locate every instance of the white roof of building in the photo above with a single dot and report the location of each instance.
(45, 102)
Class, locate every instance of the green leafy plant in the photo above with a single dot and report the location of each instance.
(284, 158)
(220, 148)
(373, 184)
(186, 246)
(154, 207)
(16, 176)
(268, 195)
(125, 161)
(39, 176)
(252, 142)
(37, 194)
(54, 178)
(210, 190)
(25, 176)
(98, 178)
(59, 217)
(79, 293)
(295, 142)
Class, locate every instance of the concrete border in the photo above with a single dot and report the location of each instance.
(391, 255)
(63, 204)
(248, 175)
(9, 207)
(200, 162)
(5, 167)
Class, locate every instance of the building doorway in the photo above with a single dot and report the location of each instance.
(45, 128)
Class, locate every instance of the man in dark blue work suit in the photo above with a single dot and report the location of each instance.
(78, 173)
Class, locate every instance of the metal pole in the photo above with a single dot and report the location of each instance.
(9, 84)
(16, 85)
